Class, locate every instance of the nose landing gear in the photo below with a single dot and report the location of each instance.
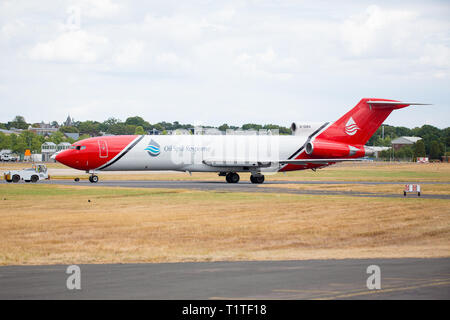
(93, 178)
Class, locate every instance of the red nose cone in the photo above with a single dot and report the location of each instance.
(72, 158)
(64, 157)
(92, 153)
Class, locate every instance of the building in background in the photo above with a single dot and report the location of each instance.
(7, 132)
(404, 141)
(72, 135)
(69, 121)
(47, 150)
(62, 146)
(154, 132)
(43, 129)
(11, 130)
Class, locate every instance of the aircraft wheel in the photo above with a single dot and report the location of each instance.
(257, 179)
(15, 178)
(93, 179)
(232, 177)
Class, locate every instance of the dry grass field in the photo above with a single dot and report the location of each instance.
(362, 188)
(50, 224)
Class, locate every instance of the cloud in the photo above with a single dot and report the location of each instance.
(396, 42)
(437, 55)
(234, 56)
(176, 29)
(74, 46)
(98, 8)
(377, 31)
(171, 61)
(130, 53)
(11, 29)
(266, 64)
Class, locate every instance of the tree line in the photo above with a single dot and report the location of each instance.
(435, 142)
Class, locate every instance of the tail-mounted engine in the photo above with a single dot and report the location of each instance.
(330, 149)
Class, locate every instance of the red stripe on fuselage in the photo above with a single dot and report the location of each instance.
(295, 167)
(94, 152)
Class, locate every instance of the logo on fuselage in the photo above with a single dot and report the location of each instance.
(153, 148)
(351, 128)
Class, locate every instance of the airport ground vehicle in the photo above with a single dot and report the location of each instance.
(311, 146)
(8, 157)
(33, 174)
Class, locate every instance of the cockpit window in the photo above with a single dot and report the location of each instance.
(78, 147)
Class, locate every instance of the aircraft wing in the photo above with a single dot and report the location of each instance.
(306, 161)
(268, 163)
(237, 163)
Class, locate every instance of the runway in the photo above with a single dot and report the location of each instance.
(312, 279)
(245, 186)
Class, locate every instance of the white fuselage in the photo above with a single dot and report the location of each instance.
(205, 153)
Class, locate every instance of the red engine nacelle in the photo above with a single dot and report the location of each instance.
(329, 149)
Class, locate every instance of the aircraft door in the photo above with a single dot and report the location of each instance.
(103, 149)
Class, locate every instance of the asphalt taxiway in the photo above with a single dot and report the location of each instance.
(246, 186)
(310, 279)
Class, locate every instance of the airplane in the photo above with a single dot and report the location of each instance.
(311, 146)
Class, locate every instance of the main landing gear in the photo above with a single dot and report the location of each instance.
(257, 178)
(93, 178)
(233, 177)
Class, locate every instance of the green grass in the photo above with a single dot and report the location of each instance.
(40, 191)
(59, 193)
(375, 174)
(21, 191)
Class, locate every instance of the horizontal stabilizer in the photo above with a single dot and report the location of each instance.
(401, 104)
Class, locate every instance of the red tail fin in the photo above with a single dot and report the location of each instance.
(358, 125)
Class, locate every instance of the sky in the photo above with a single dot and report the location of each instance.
(213, 62)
